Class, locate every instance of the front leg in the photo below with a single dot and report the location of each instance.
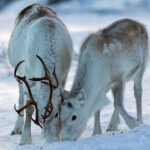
(97, 127)
(26, 133)
(51, 132)
(118, 103)
(20, 119)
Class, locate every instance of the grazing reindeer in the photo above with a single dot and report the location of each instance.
(40, 44)
(108, 59)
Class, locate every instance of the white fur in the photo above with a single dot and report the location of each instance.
(104, 66)
(44, 35)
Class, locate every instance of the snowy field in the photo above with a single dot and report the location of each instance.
(81, 19)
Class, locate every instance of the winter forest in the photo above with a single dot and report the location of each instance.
(81, 18)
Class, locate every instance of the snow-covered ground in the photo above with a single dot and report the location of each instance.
(81, 19)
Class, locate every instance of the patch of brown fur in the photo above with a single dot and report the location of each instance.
(51, 25)
(103, 38)
(42, 11)
(86, 41)
(24, 11)
(126, 31)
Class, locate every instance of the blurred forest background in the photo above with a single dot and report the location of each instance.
(115, 5)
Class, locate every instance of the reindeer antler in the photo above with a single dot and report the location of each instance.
(49, 106)
(31, 101)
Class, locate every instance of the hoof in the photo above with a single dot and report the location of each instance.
(112, 128)
(132, 123)
(24, 141)
(16, 131)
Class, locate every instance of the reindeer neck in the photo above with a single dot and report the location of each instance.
(93, 77)
(89, 77)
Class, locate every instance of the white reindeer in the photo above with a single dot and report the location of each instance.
(108, 59)
(40, 44)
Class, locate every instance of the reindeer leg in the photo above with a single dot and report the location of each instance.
(138, 94)
(118, 102)
(114, 122)
(51, 133)
(46, 133)
(97, 127)
(26, 133)
(20, 120)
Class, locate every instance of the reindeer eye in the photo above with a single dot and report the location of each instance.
(56, 115)
(69, 105)
(74, 117)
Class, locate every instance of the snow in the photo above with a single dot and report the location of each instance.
(80, 21)
(115, 141)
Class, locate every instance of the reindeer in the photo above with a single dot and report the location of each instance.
(40, 50)
(108, 59)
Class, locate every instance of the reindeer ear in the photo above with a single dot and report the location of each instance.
(81, 97)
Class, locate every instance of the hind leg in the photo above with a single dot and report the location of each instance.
(118, 103)
(20, 120)
(114, 122)
(138, 94)
(97, 127)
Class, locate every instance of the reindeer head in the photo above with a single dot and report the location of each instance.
(72, 120)
(44, 96)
